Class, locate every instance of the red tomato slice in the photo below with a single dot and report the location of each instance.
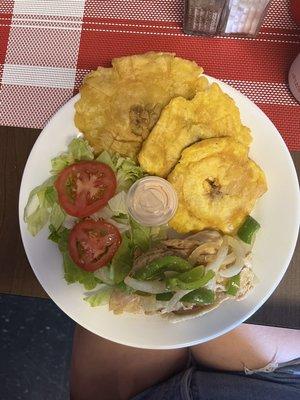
(92, 244)
(85, 187)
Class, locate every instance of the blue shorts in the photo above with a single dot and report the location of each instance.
(196, 383)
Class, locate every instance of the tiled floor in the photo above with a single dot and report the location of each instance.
(35, 349)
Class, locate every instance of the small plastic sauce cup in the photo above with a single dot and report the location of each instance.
(152, 201)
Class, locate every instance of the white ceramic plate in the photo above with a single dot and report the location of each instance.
(277, 212)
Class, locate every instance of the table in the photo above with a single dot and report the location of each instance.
(17, 277)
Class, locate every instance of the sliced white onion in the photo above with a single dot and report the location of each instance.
(212, 284)
(220, 257)
(239, 251)
(171, 305)
(153, 287)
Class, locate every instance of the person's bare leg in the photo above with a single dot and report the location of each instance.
(103, 370)
(252, 346)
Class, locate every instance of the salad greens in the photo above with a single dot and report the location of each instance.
(99, 297)
(122, 261)
(38, 207)
(42, 204)
(72, 273)
(43, 208)
(143, 237)
(78, 150)
(140, 235)
(57, 216)
(127, 170)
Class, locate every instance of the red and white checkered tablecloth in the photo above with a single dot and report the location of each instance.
(46, 47)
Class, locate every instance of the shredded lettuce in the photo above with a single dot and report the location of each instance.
(140, 235)
(106, 158)
(159, 233)
(117, 204)
(99, 297)
(122, 261)
(57, 216)
(42, 203)
(128, 173)
(126, 169)
(78, 150)
(37, 220)
(36, 212)
(51, 196)
(54, 235)
(143, 237)
(72, 273)
(43, 207)
(60, 162)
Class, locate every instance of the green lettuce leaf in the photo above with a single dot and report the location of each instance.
(51, 196)
(143, 237)
(140, 235)
(107, 159)
(57, 216)
(126, 169)
(128, 173)
(73, 274)
(99, 297)
(54, 235)
(60, 162)
(117, 204)
(36, 212)
(37, 220)
(122, 261)
(78, 150)
(43, 202)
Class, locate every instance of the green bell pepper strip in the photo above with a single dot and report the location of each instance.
(247, 231)
(164, 296)
(233, 285)
(201, 296)
(177, 284)
(167, 263)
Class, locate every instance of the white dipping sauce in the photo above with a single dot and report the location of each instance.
(152, 201)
